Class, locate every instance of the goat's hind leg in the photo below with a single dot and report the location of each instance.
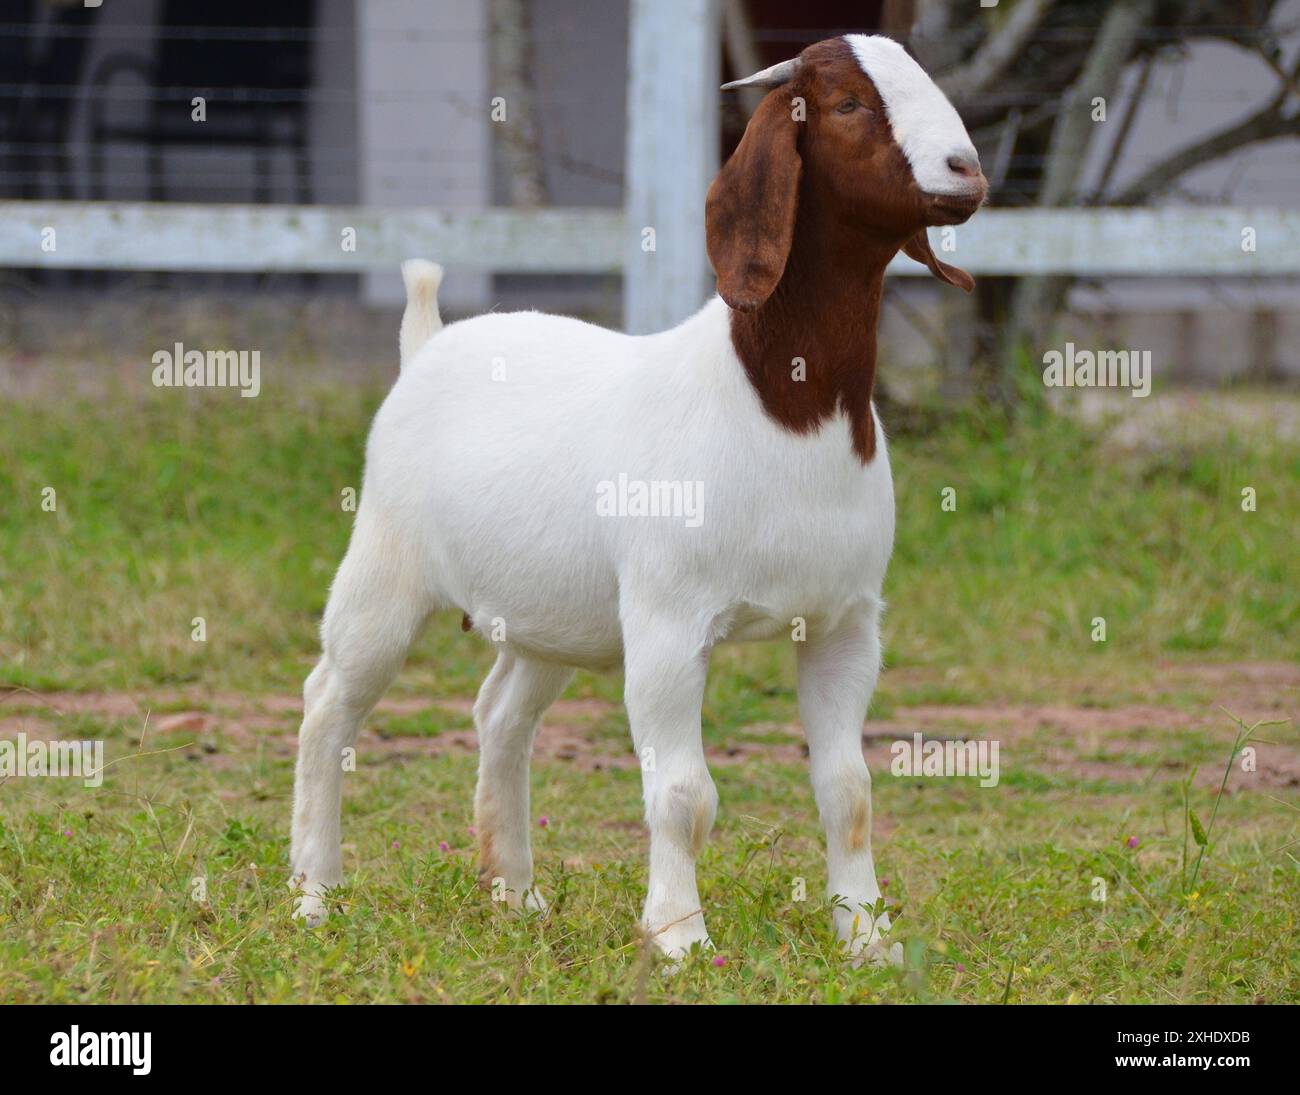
(375, 612)
(509, 706)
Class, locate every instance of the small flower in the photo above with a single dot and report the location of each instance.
(397, 843)
(884, 883)
(1133, 842)
(472, 831)
(67, 832)
(961, 967)
(719, 960)
(543, 821)
(443, 846)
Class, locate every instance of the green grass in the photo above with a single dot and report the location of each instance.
(100, 900)
(171, 507)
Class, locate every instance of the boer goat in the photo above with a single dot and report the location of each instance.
(484, 463)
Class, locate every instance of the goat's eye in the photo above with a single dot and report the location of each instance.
(848, 106)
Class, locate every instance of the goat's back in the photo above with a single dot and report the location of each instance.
(508, 451)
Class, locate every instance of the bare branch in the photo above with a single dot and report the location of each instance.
(742, 49)
(1291, 79)
(1264, 125)
(1126, 125)
(1072, 134)
(517, 141)
(997, 52)
(897, 18)
(932, 39)
(1037, 299)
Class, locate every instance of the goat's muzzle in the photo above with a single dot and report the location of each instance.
(941, 209)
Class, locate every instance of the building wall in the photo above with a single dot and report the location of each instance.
(334, 116)
(224, 174)
(580, 74)
(423, 102)
(579, 77)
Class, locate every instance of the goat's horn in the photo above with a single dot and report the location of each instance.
(769, 77)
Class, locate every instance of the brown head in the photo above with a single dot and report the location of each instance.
(854, 125)
(852, 154)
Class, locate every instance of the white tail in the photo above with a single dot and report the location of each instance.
(420, 321)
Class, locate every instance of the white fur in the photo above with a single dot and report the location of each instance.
(925, 125)
(483, 473)
(420, 321)
(480, 494)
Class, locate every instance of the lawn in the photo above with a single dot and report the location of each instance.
(1076, 878)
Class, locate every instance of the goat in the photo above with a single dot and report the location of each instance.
(482, 463)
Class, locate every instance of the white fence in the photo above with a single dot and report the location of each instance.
(1168, 242)
(670, 158)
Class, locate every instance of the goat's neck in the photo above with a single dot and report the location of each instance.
(824, 311)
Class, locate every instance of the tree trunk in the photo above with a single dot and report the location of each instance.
(1036, 300)
(517, 141)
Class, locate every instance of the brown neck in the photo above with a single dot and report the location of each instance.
(823, 311)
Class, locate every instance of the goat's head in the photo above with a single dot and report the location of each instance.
(856, 127)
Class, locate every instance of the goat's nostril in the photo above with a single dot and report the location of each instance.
(964, 165)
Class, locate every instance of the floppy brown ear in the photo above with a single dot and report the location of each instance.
(749, 215)
(918, 247)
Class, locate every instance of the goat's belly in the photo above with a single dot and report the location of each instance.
(549, 592)
(562, 608)
(819, 600)
(591, 642)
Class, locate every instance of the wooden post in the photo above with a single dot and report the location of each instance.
(672, 156)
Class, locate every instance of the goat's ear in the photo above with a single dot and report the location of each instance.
(918, 247)
(749, 215)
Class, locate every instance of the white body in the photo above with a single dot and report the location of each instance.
(483, 473)
(483, 492)
(485, 461)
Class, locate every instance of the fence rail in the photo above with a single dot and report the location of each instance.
(324, 239)
(1168, 242)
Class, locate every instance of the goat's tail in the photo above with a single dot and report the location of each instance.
(420, 321)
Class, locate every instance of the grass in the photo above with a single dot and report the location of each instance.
(230, 510)
(101, 899)
(176, 506)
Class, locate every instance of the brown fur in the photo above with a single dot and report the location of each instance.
(700, 826)
(859, 823)
(801, 222)
(487, 864)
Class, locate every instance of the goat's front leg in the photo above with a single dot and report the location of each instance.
(666, 665)
(837, 674)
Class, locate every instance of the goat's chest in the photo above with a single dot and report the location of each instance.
(798, 526)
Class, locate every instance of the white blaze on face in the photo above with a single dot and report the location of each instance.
(925, 125)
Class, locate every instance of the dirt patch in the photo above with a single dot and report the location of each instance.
(1126, 742)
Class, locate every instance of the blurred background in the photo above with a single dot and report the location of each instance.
(1112, 586)
(233, 176)
(525, 144)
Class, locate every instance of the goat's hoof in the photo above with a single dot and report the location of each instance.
(674, 944)
(670, 962)
(880, 954)
(517, 899)
(311, 910)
